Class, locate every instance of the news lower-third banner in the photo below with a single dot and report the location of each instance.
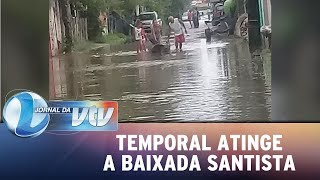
(187, 149)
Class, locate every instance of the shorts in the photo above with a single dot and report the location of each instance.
(180, 38)
(143, 39)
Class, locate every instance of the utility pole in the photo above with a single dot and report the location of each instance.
(254, 25)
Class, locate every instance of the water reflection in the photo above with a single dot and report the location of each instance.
(206, 83)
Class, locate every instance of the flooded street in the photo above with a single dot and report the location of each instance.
(207, 82)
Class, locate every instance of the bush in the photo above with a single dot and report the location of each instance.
(83, 46)
(115, 38)
(123, 36)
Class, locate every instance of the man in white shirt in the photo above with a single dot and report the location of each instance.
(177, 26)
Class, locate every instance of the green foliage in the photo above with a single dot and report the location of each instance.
(230, 6)
(126, 8)
(92, 9)
(113, 39)
(83, 46)
(166, 8)
(123, 7)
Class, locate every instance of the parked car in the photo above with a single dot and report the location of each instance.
(146, 18)
(185, 16)
(194, 3)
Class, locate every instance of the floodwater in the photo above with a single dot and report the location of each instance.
(207, 82)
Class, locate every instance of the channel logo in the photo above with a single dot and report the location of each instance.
(28, 115)
(19, 116)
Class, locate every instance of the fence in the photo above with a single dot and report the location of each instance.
(119, 24)
(79, 27)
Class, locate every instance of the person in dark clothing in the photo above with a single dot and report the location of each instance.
(196, 16)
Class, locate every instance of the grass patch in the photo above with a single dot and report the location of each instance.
(112, 39)
(87, 46)
(83, 46)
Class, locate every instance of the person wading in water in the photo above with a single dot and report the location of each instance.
(156, 31)
(190, 17)
(140, 37)
(196, 16)
(177, 26)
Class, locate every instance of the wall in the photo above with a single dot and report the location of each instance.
(253, 10)
(79, 28)
(266, 22)
(266, 8)
(55, 28)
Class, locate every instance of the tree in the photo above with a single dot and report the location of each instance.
(167, 8)
(126, 8)
(93, 9)
(66, 16)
